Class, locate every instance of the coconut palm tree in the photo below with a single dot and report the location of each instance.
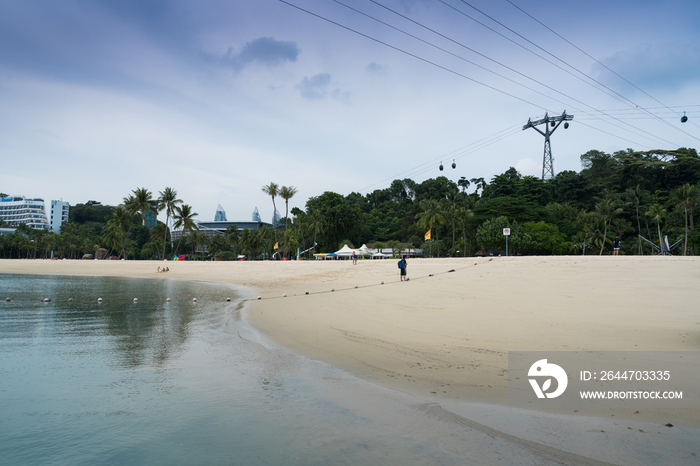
(118, 227)
(463, 215)
(606, 209)
(315, 223)
(141, 202)
(273, 190)
(184, 220)
(167, 201)
(431, 216)
(657, 213)
(585, 219)
(451, 201)
(685, 196)
(286, 193)
(637, 196)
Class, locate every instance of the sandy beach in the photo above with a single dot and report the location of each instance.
(447, 332)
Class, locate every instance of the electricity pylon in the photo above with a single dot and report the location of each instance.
(553, 122)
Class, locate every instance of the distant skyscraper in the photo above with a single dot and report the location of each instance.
(256, 215)
(276, 218)
(220, 214)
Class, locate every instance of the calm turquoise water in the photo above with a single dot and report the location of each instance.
(179, 383)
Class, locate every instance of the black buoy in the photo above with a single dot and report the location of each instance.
(553, 123)
(566, 125)
(454, 165)
(684, 118)
(441, 167)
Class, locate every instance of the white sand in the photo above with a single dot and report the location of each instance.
(448, 335)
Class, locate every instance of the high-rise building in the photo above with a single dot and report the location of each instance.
(256, 215)
(220, 215)
(17, 210)
(59, 215)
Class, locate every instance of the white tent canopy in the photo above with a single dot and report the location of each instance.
(364, 251)
(345, 251)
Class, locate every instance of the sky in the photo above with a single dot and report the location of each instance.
(217, 98)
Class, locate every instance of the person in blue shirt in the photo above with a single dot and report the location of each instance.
(402, 266)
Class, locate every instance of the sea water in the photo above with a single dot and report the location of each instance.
(188, 382)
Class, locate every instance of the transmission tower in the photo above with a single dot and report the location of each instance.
(553, 123)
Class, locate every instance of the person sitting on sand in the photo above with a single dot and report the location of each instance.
(402, 266)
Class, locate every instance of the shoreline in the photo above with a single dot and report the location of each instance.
(446, 336)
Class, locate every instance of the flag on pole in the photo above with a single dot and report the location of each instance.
(427, 235)
(277, 245)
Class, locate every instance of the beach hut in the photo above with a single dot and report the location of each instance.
(364, 251)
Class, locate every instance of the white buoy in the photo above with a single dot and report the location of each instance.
(284, 295)
(307, 292)
(259, 297)
(136, 300)
(474, 263)
(47, 300)
(332, 289)
(228, 300)
(356, 286)
(194, 300)
(167, 300)
(70, 300)
(99, 300)
(7, 300)
(430, 275)
(382, 283)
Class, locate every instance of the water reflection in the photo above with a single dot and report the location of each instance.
(149, 332)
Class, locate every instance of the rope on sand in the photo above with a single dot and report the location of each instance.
(332, 290)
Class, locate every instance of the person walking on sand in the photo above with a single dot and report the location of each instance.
(616, 245)
(402, 266)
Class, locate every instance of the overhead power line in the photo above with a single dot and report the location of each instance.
(641, 133)
(619, 96)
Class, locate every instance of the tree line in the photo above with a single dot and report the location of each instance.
(627, 193)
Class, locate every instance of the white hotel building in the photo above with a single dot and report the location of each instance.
(16, 210)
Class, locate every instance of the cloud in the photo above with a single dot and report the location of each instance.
(658, 66)
(318, 87)
(315, 87)
(265, 50)
(375, 68)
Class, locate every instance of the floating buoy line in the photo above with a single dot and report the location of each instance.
(284, 295)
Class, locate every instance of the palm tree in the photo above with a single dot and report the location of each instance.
(167, 201)
(606, 209)
(233, 236)
(464, 214)
(685, 196)
(657, 213)
(637, 196)
(451, 202)
(586, 219)
(184, 220)
(286, 193)
(273, 190)
(118, 227)
(431, 216)
(140, 202)
(315, 223)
